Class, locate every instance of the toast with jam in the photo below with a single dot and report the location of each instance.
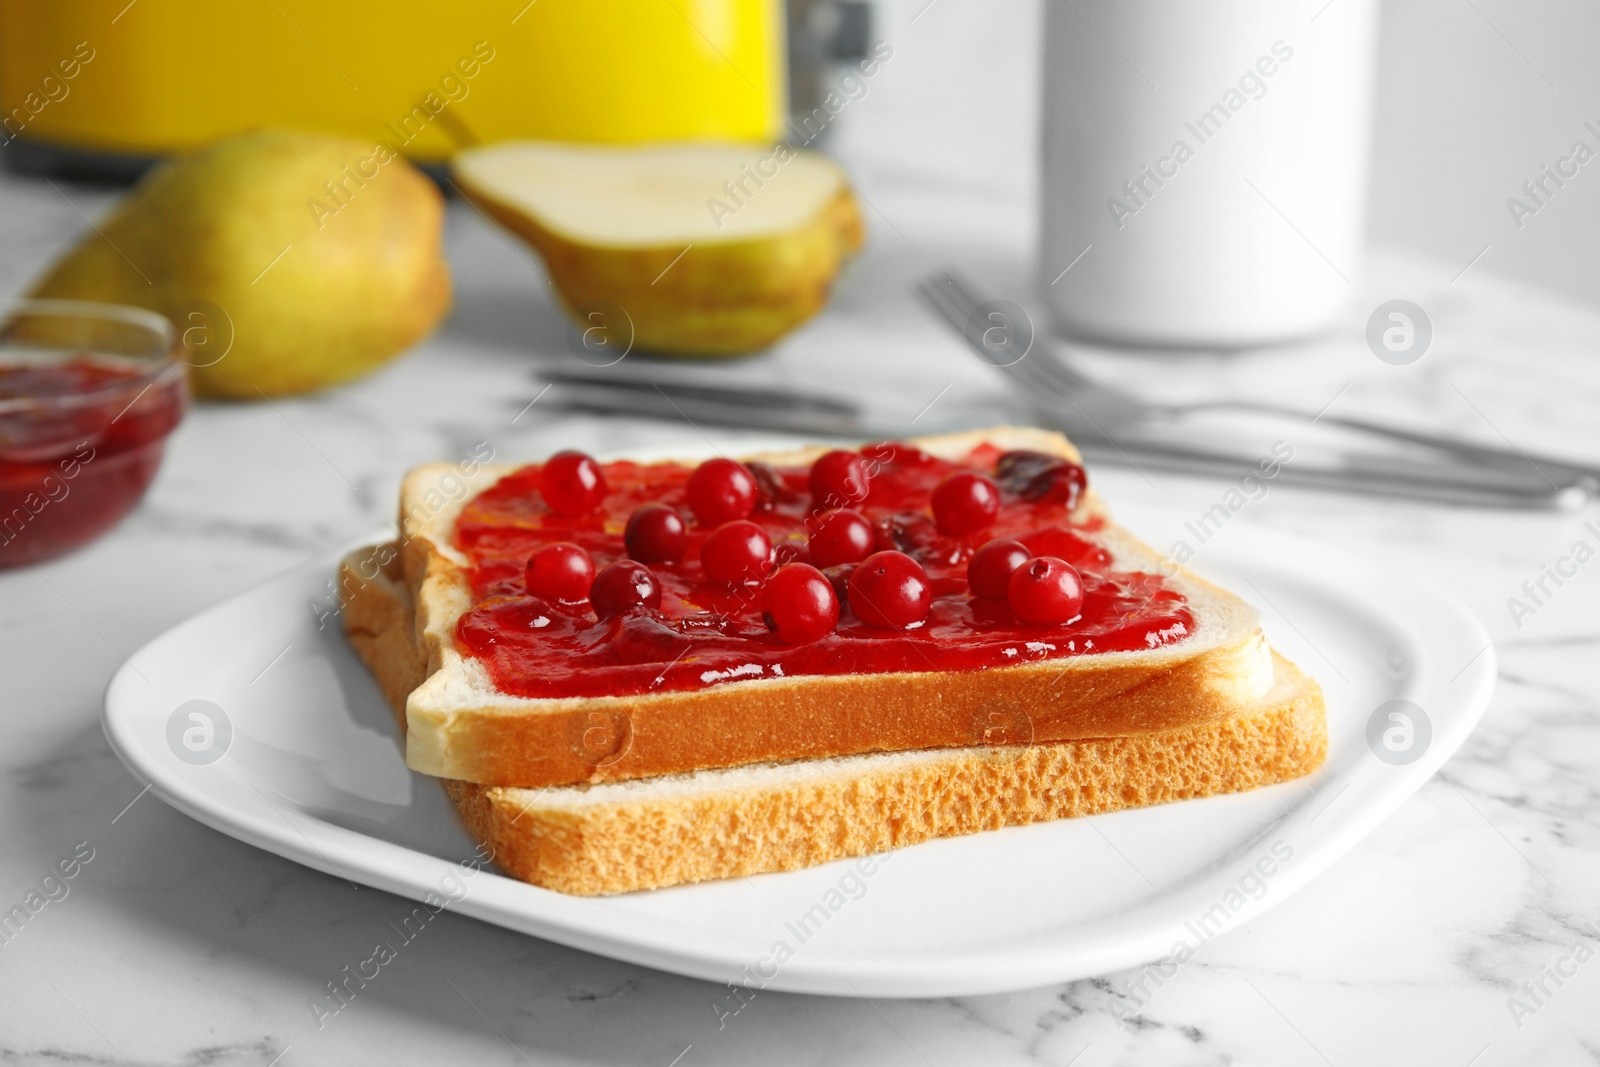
(636, 674)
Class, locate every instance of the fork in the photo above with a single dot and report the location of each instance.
(1469, 470)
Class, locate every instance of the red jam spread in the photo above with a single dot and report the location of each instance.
(706, 632)
(80, 440)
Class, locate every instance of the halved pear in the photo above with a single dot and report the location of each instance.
(708, 249)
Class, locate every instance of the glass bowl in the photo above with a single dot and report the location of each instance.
(88, 394)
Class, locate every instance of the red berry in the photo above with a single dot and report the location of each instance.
(720, 491)
(572, 483)
(561, 571)
(799, 604)
(890, 590)
(771, 486)
(841, 537)
(736, 552)
(880, 454)
(917, 536)
(623, 585)
(965, 503)
(655, 534)
(989, 571)
(1042, 477)
(839, 578)
(839, 479)
(1046, 589)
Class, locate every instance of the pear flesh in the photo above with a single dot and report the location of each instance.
(288, 261)
(704, 249)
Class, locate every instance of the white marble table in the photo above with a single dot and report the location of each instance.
(177, 945)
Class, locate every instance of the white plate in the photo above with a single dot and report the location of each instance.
(314, 772)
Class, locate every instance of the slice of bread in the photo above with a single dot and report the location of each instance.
(460, 726)
(654, 832)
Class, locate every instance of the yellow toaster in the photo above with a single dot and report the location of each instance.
(105, 85)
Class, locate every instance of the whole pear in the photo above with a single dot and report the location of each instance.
(289, 261)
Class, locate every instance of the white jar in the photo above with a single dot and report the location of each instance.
(1205, 167)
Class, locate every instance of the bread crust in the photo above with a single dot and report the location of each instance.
(649, 843)
(460, 727)
(723, 824)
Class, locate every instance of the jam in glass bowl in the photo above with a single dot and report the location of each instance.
(88, 394)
